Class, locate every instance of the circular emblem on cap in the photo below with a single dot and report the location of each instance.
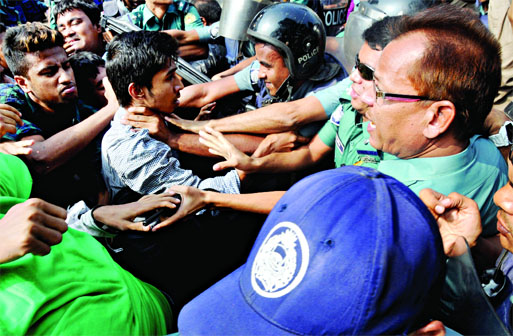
(281, 261)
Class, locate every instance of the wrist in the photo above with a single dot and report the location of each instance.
(100, 216)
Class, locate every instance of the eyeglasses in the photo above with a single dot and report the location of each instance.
(381, 95)
(366, 72)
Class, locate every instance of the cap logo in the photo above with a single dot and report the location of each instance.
(281, 261)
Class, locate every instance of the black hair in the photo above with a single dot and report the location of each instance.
(136, 57)
(382, 32)
(89, 8)
(85, 66)
(210, 10)
(31, 37)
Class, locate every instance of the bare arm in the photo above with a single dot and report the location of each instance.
(274, 118)
(141, 117)
(194, 199)
(201, 94)
(233, 70)
(300, 158)
(48, 154)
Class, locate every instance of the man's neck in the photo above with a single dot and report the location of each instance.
(49, 108)
(159, 10)
(444, 145)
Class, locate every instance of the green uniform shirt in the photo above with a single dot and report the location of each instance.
(180, 15)
(477, 172)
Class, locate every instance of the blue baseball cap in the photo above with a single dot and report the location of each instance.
(345, 251)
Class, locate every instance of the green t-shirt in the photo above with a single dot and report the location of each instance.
(180, 15)
(77, 289)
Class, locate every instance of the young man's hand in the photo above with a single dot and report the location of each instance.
(10, 118)
(143, 117)
(121, 217)
(31, 227)
(219, 145)
(456, 215)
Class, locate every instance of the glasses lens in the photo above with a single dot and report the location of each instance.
(366, 72)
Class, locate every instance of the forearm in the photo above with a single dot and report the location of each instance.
(258, 202)
(189, 143)
(184, 36)
(298, 159)
(236, 68)
(201, 94)
(192, 52)
(279, 117)
(58, 149)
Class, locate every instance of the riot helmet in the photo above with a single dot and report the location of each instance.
(244, 11)
(296, 31)
(371, 11)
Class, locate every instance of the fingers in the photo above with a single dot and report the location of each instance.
(135, 111)
(436, 202)
(46, 235)
(10, 115)
(223, 165)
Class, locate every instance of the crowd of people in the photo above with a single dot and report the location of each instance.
(344, 168)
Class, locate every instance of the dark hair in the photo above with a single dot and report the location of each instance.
(89, 8)
(85, 65)
(382, 32)
(210, 10)
(3, 28)
(28, 38)
(461, 63)
(136, 57)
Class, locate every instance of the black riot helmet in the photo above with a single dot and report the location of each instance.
(296, 31)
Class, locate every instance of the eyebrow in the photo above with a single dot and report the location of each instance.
(267, 65)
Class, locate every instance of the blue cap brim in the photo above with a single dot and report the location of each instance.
(214, 310)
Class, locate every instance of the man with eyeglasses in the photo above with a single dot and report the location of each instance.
(424, 137)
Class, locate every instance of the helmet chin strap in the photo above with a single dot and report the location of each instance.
(283, 94)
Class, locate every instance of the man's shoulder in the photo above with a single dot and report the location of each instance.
(12, 93)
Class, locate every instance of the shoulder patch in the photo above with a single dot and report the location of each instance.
(189, 18)
(337, 115)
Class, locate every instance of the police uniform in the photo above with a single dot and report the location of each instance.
(179, 15)
(247, 80)
(477, 172)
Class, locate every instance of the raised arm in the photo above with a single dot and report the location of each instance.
(274, 118)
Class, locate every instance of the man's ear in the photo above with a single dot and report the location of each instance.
(23, 83)
(135, 92)
(440, 116)
(98, 28)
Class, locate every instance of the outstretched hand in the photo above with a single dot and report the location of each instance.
(23, 147)
(219, 145)
(187, 125)
(193, 200)
(456, 215)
